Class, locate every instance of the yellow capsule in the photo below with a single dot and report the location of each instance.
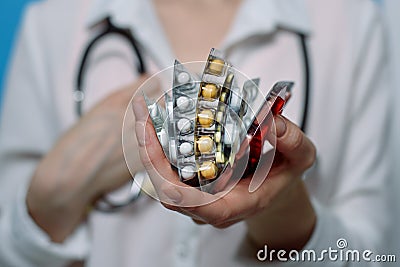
(206, 118)
(205, 144)
(208, 170)
(209, 91)
(216, 66)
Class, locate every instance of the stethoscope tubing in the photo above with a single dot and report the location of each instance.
(105, 204)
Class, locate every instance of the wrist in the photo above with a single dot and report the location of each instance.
(56, 209)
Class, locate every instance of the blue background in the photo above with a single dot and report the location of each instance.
(10, 15)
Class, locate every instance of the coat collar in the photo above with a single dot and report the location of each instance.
(255, 17)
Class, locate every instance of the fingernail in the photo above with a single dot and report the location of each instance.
(142, 134)
(139, 109)
(280, 125)
(174, 195)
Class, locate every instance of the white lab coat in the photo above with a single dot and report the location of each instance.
(347, 122)
(391, 10)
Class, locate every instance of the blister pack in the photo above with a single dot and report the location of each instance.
(206, 120)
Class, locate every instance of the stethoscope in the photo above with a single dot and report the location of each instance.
(106, 204)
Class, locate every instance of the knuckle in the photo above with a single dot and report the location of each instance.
(214, 221)
(191, 209)
(263, 203)
(311, 158)
(198, 222)
(297, 139)
(264, 199)
(221, 219)
(170, 207)
(222, 226)
(137, 100)
(225, 215)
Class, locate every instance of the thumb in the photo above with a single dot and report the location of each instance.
(293, 144)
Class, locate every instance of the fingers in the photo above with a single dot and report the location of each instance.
(150, 150)
(165, 180)
(237, 205)
(293, 144)
(240, 204)
(220, 210)
(199, 222)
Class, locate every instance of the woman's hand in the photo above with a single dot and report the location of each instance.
(85, 163)
(278, 213)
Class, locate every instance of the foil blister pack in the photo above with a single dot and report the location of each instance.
(205, 119)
